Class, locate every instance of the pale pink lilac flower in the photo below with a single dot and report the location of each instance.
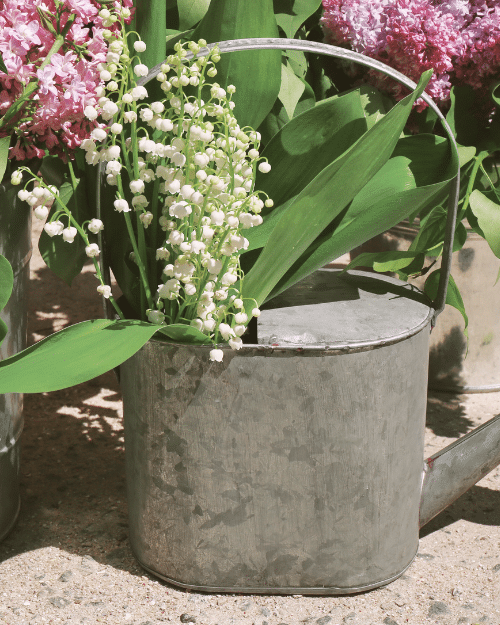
(54, 117)
(459, 39)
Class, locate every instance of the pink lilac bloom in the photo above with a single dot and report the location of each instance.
(53, 118)
(458, 39)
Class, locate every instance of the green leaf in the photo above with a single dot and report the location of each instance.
(3, 330)
(66, 259)
(173, 36)
(392, 260)
(461, 118)
(291, 14)
(409, 181)
(4, 155)
(292, 88)
(375, 104)
(6, 281)
(256, 74)
(151, 23)
(181, 333)
(191, 12)
(308, 143)
(325, 197)
(453, 297)
(4, 70)
(488, 216)
(73, 355)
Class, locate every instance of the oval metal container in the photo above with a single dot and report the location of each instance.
(295, 465)
(455, 364)
(15, 245)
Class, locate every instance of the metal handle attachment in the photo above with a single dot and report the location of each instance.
(238, 45)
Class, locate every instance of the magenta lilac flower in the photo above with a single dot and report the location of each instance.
(459, 39)
(53, 118)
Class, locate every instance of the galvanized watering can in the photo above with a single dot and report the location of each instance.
(296, 465)
(15, 245)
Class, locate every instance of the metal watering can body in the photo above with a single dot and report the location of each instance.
(296, 465)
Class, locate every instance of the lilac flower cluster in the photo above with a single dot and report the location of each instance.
(459, 39)
(53, 117)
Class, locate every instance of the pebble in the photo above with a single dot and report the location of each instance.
(389, 621)
(496, 568)
(349, 618)
(265, 612)
(246, 605)
(438, 608)
(323, 620)
(59, 602)
(66, 576)
(187, 618)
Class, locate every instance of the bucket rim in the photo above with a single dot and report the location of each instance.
(290, 349)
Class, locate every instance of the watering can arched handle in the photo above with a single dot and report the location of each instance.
(238, 45)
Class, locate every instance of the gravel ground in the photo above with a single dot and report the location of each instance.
(68, 559)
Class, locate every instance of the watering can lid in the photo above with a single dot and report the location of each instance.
(356, 309)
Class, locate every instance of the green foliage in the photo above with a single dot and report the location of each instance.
(4, 155)
(6, 284)
(453, 297)
(256, 74)
(487, 213)
(191, 12)
(291, 14)
(73, 355)
(302, 240)
(67, 259)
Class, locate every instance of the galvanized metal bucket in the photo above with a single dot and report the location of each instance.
(458, 364)
(15, 245)
(296, 464)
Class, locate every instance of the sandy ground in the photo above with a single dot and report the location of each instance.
(68, 558)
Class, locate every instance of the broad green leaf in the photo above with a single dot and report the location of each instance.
(191, 12)
(73, 355)
(180, 333)
(375, 104)
(453, 297)
(495, 92)
(460, 117)
(325, 197)
(4, 70)
(292, 88)
(399, 187)
(256, 74)
(291, 14)
(4, 155)
(6, 281)
(488, 216)
(66, 259)
(3, 330)
(308, 143)
(173, 36)
(392, 260)
(151, 23)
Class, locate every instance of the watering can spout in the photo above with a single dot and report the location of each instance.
(452, 471)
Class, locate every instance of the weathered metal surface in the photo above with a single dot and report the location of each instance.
(285, 469)
(15, 245)
(455, 363)
(452, 471)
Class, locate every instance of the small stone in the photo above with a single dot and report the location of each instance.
(66, 576)
(399, 602)
(463, 620)
(484, 619)
(425, 556)
(438, 608)
(349, 618)
(187, 618)
(265, 612)
(323, 620)
(455, 592)
(496, 568)
(59, 602)
(246, 605)
(389, 621)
